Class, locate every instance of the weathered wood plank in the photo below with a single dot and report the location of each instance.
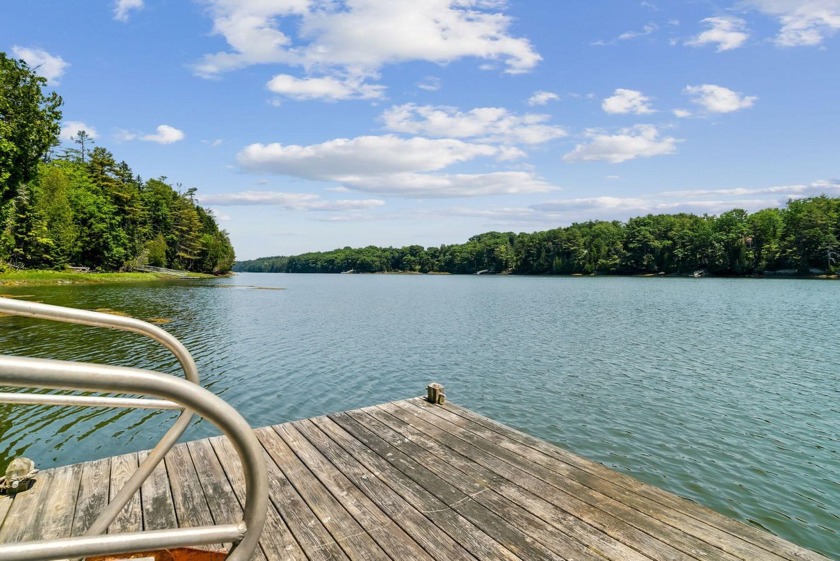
(94, 490)
(191, 508)
(25, 510)
(156, 498)
(385, 532)
(740, 539)
(623, 524)
(448, 520)
(405, 480)
(5, 505)
(631, 526)
(55, 519)
(563, 513)
(433, 540)
(276, 541)
(345, 531)
(217, 490)
(308, 530)
(130, 518)
(466, 496)
(553, 527)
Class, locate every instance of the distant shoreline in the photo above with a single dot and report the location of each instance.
(766, 275)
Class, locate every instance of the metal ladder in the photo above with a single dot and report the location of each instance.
(165, 392)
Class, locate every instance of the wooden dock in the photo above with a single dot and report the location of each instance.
(403, 481)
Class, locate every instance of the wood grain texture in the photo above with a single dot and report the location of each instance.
(156, 498)
(130, 518)
(55, 517)
(276, 541)
(684, 514)
(403, 480)
(94, 490)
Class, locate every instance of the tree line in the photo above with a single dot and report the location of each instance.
(801, 238)
(83, 208)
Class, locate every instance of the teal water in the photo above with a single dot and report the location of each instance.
(723, 391)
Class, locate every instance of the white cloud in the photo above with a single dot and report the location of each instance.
(289, 201)
(640, 141)
(393, 166)
(69, 129)
(424, 185)
(430, 84)
(646, 30)
(123, 7)
(345, 159)
(726, 32)
(627, 101)
(541, 97)
(487, 124)
(717, 99)
(357, 38)
(804, 22)
(681, 113)
(164, 135)
(42, 63)
(326, 88)
(818, 187)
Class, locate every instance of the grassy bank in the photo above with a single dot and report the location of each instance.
(38, 277)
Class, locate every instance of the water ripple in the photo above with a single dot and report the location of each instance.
(723, 391)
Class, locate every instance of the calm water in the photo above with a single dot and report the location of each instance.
(723, 391)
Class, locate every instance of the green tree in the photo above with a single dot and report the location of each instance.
(29, 124)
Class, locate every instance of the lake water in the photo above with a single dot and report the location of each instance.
(723, 391)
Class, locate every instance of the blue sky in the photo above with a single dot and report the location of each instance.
(308, 125)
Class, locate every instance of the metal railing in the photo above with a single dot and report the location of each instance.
(173, 393)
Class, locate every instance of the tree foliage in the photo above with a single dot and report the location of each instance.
(29, 124)
(85, 208)
(802, 238)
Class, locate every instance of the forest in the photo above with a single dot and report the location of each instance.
(79, 206)
(801, 238)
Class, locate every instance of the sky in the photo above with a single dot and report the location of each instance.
(309, 125)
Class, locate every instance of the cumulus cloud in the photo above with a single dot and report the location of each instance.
(487, 124)
(804, 22)
(394, 166)
(123, 7)
(717, 99)
(326, 88)
(164, 134)
(640, 141)
(627, 101)
(42, 63)
(726, 32)
(344, 159)
(542, 98)
(69, 129)
(289, 201)
(348, 40)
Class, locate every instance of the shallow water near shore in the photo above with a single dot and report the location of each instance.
(725, 391)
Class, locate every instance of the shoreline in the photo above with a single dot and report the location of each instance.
(36, 277)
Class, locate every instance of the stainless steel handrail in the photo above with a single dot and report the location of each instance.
(178, 394)
(110, 321)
